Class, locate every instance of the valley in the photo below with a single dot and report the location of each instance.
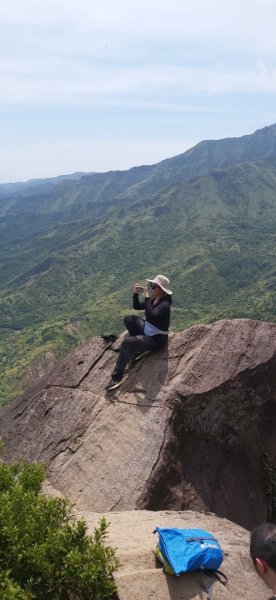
(70, 254)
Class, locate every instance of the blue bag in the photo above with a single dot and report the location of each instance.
(189, 549)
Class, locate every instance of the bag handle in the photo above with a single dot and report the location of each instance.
(200, 539)
(215, 576)
(221, 577)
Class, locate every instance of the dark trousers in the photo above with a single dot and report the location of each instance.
(134, 343)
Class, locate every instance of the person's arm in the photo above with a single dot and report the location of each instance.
(137, 305)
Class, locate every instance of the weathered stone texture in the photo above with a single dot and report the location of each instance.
(139, 577)
(187, 430)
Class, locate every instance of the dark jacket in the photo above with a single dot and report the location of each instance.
(158, 314)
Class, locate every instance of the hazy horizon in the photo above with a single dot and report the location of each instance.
(98, 87)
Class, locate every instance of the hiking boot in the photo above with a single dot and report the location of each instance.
(116, 380)
(141, 355)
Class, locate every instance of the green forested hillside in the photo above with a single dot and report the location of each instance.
(69, 256)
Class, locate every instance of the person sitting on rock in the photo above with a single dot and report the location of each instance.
(263, 553)
(146, 335)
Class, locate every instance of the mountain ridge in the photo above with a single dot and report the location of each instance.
(76, 249)
(266, 148)
(41, 184)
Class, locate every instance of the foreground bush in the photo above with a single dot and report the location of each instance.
(44, 553)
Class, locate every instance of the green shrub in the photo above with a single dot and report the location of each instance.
(10, 590)
(45, 553)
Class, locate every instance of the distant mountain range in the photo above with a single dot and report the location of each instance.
(70, 249)
(35, 185)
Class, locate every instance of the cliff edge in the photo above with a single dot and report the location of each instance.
(193, 427)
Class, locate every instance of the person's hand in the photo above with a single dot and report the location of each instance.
(136, 288)
(145, 291)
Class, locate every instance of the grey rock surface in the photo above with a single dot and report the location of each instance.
(189, 429)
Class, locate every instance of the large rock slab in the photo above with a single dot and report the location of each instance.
(193, 427)
(139, 576)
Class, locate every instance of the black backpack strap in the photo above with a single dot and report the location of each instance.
(215, 576)
(221, 577)
(200, 539)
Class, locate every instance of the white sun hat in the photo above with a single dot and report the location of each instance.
(163, 283)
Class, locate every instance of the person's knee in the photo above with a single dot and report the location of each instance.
(125, 343)
(128, 321)
(129, 343)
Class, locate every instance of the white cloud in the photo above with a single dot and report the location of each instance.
(57, 81)
(184, 59)
(88, 51)
(262, 68)
(142, 16)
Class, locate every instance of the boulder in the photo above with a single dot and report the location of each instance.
(140, 577)
(193, 427)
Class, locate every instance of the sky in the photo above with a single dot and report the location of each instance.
(97, 86)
